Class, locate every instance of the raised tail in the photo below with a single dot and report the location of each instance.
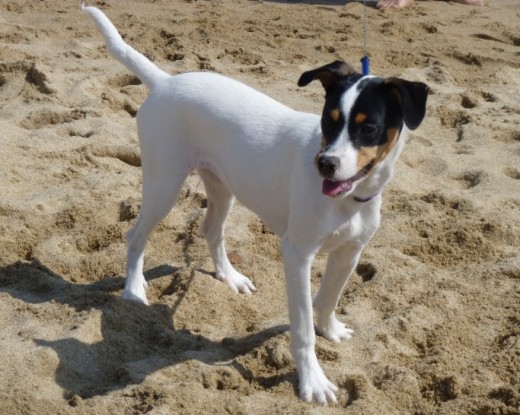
(137, 63)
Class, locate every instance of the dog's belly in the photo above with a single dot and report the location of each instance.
(257, 197)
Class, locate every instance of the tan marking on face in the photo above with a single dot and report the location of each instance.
(392, 135)
(360, 118)
(334, 114)
(376, 154)
(366, 155)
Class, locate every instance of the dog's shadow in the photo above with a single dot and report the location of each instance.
(134, 340)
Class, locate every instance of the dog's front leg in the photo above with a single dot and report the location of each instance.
(340, 265)
(313, 384)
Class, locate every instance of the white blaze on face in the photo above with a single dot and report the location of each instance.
(342, 147)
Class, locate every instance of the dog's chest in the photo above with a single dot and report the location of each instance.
(356, 229)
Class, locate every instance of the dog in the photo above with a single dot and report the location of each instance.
(315, 181)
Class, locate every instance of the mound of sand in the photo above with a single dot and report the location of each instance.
(435, 302)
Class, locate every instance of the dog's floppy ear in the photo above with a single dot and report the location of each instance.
(412, 96)
(328, 75)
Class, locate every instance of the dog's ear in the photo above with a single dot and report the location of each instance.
(412, 97)
(328, 75)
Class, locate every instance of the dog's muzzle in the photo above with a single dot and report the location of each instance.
(327, 165)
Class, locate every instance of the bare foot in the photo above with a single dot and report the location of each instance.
(398, 4)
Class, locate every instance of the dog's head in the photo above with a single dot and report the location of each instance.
(362, 120)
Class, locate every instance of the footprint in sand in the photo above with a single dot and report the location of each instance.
(512, 173)
(40, 76)
(122, 80)
(43, 118)
(453, 118)
(430, 165)
(471, 179)
(127, 154)
(468, 102)
(489, 97)
(366, 270)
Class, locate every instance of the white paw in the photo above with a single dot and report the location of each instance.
(136, 293)
(315, 387)
(334, 330)
(237, 282)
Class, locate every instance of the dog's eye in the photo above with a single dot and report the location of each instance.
(367, 129)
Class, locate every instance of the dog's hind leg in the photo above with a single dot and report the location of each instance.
(340, 264)
(220, 202)
(159, 195)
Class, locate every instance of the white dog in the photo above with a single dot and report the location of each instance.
(315, 182)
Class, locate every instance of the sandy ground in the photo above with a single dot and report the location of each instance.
(435, 302)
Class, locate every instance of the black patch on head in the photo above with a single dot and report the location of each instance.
(384, 104)
(383, 112)
(331, 128)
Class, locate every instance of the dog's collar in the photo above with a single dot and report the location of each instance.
(365, 199)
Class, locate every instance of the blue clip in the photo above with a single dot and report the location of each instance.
(365, 65)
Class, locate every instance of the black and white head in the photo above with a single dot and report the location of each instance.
(362, 121)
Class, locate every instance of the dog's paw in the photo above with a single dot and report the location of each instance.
(137, 295)
(315, 387)
(237, 282)
(334, 330)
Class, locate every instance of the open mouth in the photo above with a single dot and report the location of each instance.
(338, 188)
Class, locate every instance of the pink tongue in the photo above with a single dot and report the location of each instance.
(331, 188)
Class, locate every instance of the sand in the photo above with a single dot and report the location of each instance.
(435, 301)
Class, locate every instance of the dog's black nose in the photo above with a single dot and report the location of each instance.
(327, 165)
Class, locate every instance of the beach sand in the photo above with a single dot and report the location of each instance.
(435, 301)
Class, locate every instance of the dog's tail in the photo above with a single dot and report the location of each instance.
(138, 64)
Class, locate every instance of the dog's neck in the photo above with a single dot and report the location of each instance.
(365, 199)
